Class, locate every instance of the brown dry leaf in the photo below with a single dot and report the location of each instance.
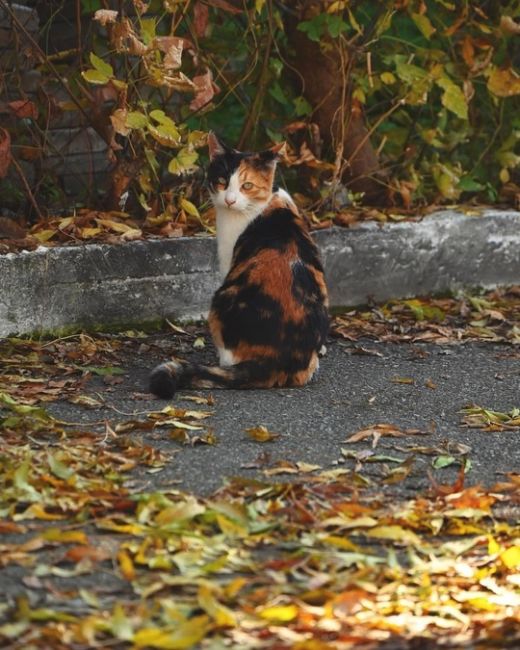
(24, 108)
(93, 553)
(105, 16)
(282, 467)
(262, 434)
(508, 25)
(205, 89)
(378, 430)
(118, 119)
(5, 152)
(200, 18)
(9, 229)
(225, 6)
(172, 46)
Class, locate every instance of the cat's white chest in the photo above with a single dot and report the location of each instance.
(230, 226)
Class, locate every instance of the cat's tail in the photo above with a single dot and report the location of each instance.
(168, 377)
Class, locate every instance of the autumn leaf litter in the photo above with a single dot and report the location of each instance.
(322, 561)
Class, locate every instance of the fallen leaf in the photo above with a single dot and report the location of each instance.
(262, 434)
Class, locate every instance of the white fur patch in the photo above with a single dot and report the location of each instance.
(233, 217)
(227, 358)
(285, 196)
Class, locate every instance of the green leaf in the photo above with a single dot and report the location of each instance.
(277, 92)
(136, 120)
(453, 98)
(58, 468)
(423, 24)
(302, 106)
(313, 28)
(410, 73)
(443, 461)
(354, 23)
(161, 117)
(101, 66)
(469, 184)
(183, 162)
(148, 30)
(95, 77)
(336, 25)
(165, 134)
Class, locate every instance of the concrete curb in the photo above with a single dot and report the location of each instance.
(53, 289)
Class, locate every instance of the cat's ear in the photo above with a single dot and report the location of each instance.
(279, 150)
(274, 154)
(216, 147)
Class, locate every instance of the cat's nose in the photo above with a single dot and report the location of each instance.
(230, 200)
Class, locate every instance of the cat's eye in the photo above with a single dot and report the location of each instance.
(221, 181)
(247, 186)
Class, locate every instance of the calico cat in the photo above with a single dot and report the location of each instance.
(269, 318)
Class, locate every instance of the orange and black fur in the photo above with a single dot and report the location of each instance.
(269, 318)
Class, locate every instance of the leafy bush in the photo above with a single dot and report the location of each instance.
(435, 80)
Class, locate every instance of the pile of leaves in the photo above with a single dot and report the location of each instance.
(108, 558)
(493, 316)
(303, 565)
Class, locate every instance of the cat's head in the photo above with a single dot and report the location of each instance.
(241, 182)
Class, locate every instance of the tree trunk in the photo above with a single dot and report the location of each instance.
(323, 70)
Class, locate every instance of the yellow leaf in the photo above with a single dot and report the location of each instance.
(185, 635)
(341, 542)
(219, 613)
(280, 613)
(87, 233)
(395, 533)
(482, 603)
(65, 536)
(504, 83)
(116, 226)
(230, 528)
(188, 207)
(44, 235)
(493, 546)
(388, 78)
(126, 565)
(37, 511)
(511, 557)
(65, 222)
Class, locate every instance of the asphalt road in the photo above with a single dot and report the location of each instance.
(410, 386)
